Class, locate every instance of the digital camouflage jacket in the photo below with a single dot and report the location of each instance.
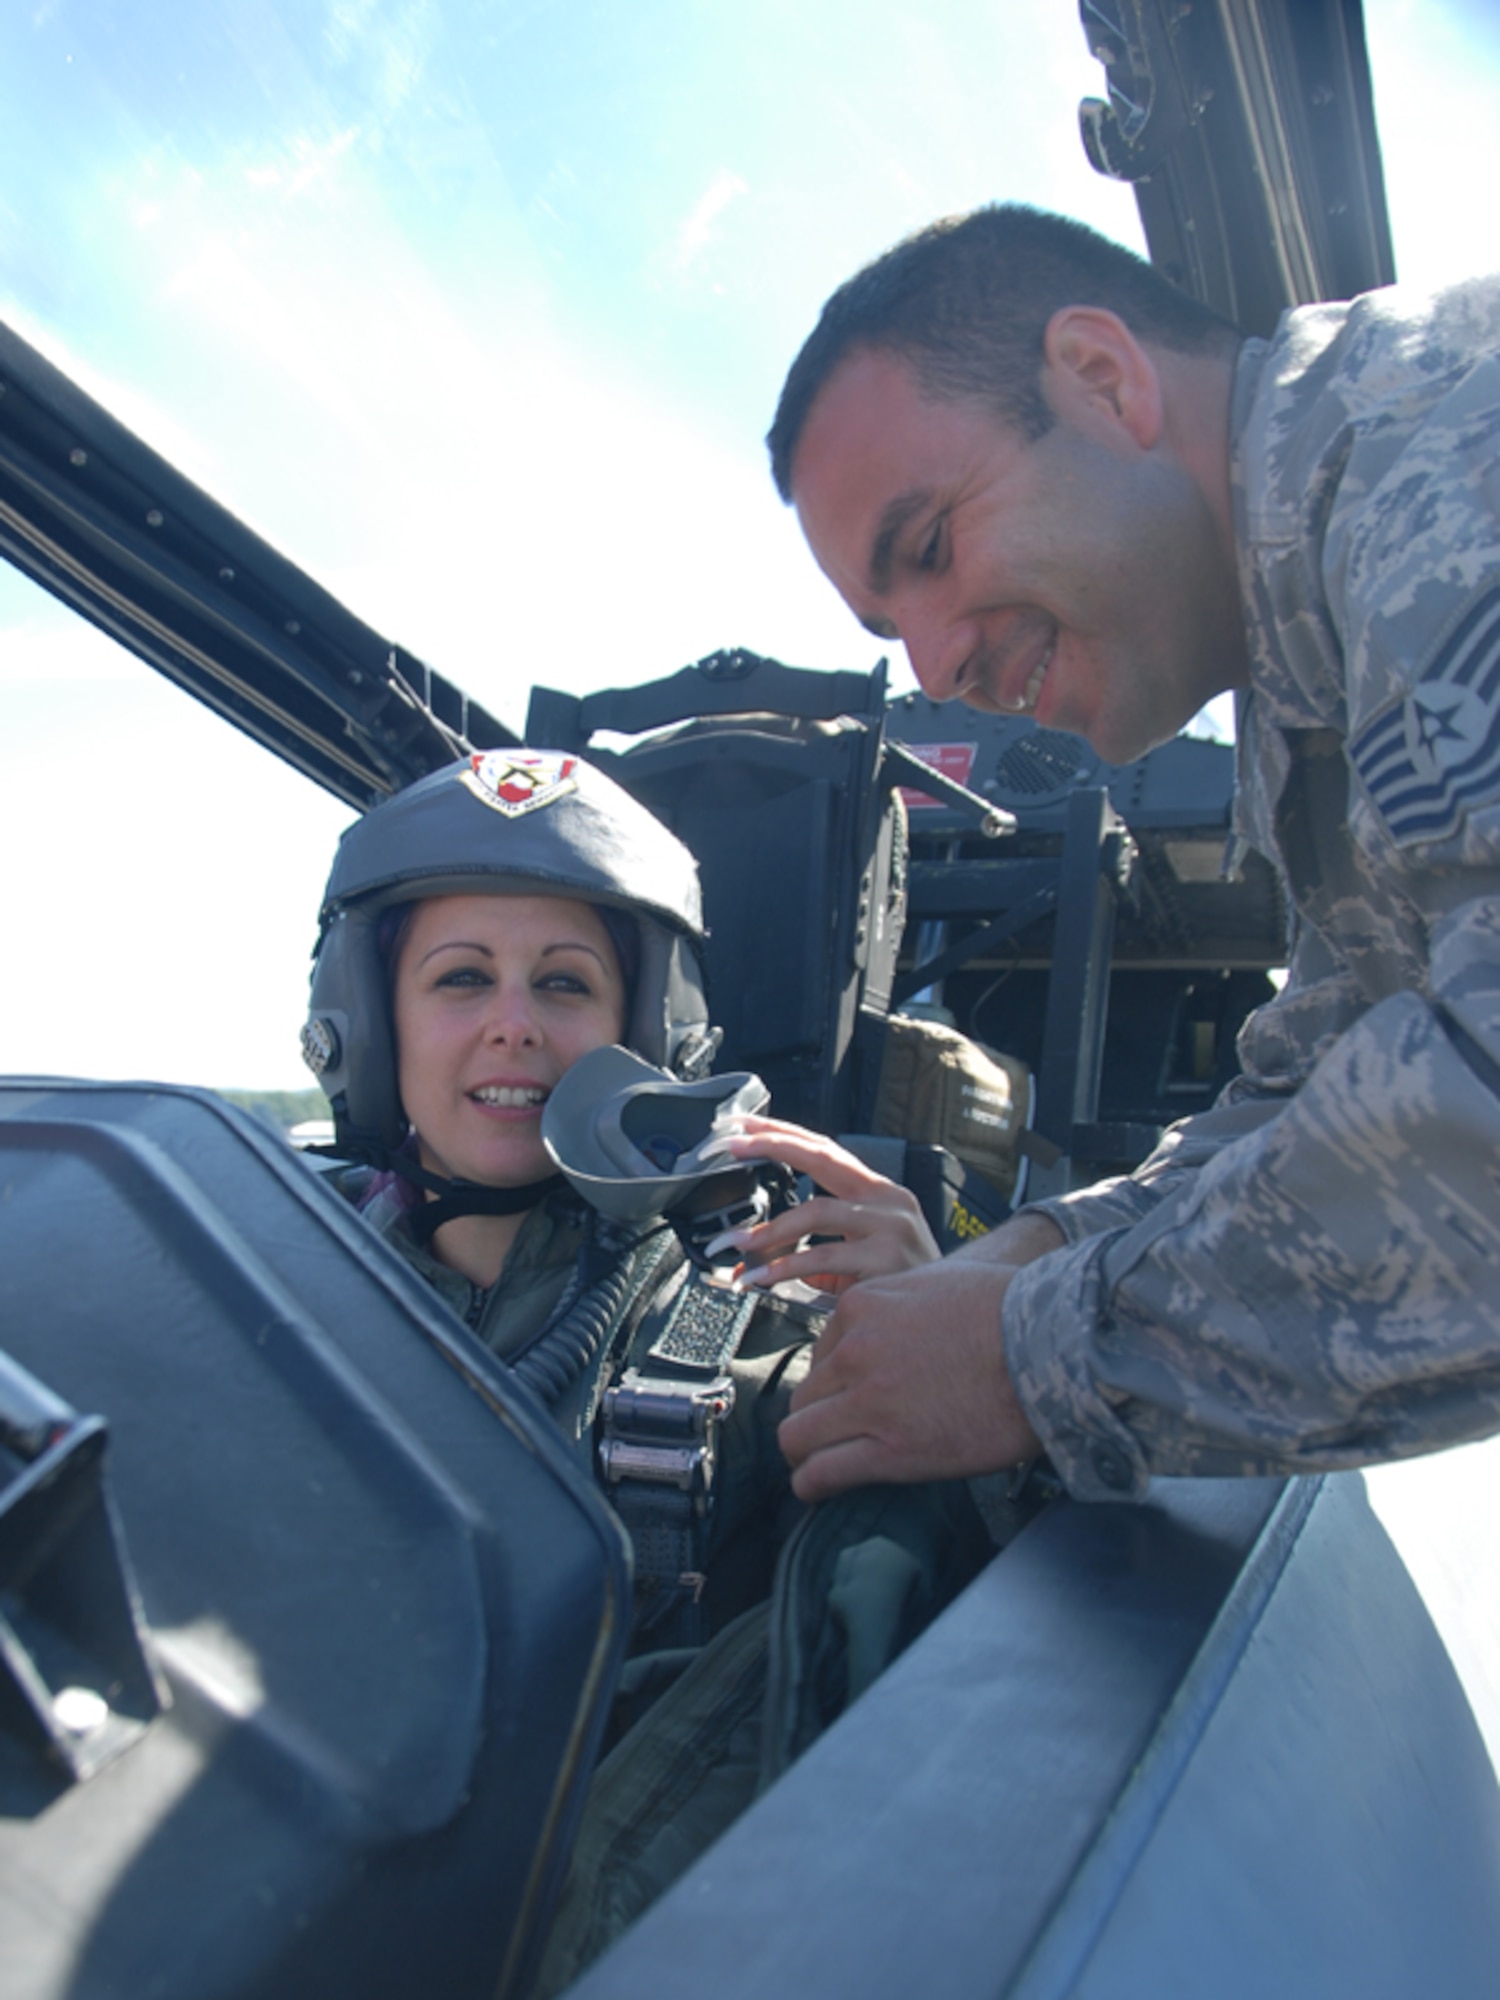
(1307, 1276)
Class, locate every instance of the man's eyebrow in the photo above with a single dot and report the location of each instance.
(895, 517)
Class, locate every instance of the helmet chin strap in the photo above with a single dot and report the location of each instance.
(456, 1198)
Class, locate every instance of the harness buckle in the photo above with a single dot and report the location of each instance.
(664, 1431)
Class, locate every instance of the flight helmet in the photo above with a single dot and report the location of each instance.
(500, 822)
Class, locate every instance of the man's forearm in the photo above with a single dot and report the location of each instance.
(1021, 1240)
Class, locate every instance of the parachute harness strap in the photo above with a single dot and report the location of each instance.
(660, 1438)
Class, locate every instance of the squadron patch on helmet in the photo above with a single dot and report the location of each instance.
(1432, 756)
(520, 781)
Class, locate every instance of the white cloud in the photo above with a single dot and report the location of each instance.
(1436, 73)
(698, 231)
(307, 163)
(51, 647)
(167, 935)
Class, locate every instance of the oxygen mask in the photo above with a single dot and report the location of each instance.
(636, 1142)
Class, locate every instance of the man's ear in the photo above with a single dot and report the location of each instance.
(1095, 371)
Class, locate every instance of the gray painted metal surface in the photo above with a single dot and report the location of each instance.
(1212, 1746)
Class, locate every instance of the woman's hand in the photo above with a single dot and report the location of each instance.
(877, 1227)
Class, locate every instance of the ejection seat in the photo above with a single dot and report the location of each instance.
(789, 789)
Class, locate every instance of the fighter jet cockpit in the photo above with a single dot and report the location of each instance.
(383, 393)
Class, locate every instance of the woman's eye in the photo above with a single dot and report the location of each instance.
(564, 982)
(932, 548)
(464, 976)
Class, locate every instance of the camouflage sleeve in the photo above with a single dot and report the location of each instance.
(1321, 1293)
(1318, 1290)
(1184, 1148)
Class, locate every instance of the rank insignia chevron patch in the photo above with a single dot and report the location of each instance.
(1427, 759)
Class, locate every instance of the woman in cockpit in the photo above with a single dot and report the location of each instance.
(483, 932)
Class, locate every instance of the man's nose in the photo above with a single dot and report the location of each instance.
(942, 652)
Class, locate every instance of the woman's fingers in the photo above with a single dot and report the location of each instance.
(841, 1241)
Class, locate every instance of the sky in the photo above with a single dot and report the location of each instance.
(478, 309)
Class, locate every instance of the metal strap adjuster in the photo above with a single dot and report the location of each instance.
(664, 1432)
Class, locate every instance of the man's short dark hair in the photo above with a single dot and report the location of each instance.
(966, 303)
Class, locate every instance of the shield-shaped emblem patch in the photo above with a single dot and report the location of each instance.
(520, 781)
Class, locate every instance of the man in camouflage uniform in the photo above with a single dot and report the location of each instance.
(1013, 446)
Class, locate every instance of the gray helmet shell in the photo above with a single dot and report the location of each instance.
(633, 1139)
(501, 822)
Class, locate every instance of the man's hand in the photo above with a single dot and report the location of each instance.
(909, 1380)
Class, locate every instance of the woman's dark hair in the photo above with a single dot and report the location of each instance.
(390, 935)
